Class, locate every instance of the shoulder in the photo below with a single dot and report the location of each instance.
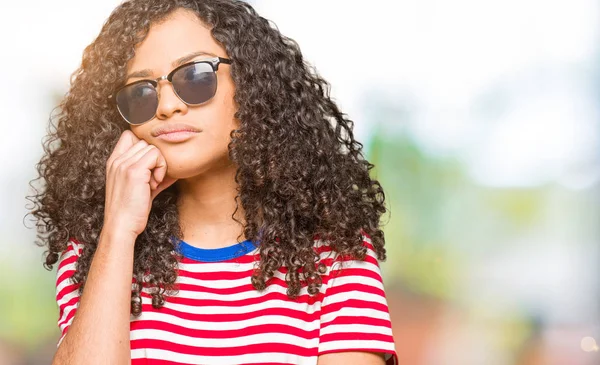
(336, 261)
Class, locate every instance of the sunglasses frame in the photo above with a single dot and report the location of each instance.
(214, 62)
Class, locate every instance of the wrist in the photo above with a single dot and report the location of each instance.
(113, 233)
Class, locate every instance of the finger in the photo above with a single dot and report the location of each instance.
(125, 142)
(161, 168)
(164, 180)
(159, 171)
(153, 182)
(155, 161)
(131, 152)
(141, 154)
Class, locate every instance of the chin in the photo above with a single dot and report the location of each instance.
(187, 169)
(179, 172)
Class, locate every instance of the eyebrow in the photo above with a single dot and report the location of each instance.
(178, 62)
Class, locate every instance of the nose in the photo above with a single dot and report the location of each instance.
(168, 102)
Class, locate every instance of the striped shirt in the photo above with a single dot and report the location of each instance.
(218, 318)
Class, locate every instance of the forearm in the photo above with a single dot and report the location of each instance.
(99, 333)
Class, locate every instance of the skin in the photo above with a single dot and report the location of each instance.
(201, 164)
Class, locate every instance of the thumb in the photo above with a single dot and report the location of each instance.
(160, 176)
(165, 183)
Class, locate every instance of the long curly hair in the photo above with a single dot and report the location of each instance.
(301, 174)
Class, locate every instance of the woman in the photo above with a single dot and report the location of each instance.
(207, 202)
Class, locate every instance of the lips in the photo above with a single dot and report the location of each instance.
(176, 136)
(172, 128)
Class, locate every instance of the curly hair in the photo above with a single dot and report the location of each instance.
(301, 174)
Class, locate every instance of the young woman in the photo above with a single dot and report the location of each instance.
(207, 202)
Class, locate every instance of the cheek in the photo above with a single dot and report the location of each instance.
(223, 138)
(215, 137)
(220, 127)
(141, 132)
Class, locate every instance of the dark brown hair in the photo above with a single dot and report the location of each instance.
(301, 173)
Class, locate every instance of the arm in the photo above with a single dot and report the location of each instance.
(99, 332)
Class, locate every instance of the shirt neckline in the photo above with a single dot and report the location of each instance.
(215, 254)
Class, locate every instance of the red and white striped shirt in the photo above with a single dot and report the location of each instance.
(219, 318)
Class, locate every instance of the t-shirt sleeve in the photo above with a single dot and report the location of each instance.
(354, 311)
(67, 293)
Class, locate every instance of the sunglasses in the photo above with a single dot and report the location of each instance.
(194, 83)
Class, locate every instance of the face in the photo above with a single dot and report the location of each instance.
(180, 35)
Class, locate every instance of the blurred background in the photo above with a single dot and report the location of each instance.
(482, 118)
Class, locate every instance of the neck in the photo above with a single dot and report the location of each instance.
(206, 204)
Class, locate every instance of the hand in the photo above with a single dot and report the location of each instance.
(135, 175)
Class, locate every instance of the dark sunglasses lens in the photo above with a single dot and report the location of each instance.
(137, 102)
(196, 83)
